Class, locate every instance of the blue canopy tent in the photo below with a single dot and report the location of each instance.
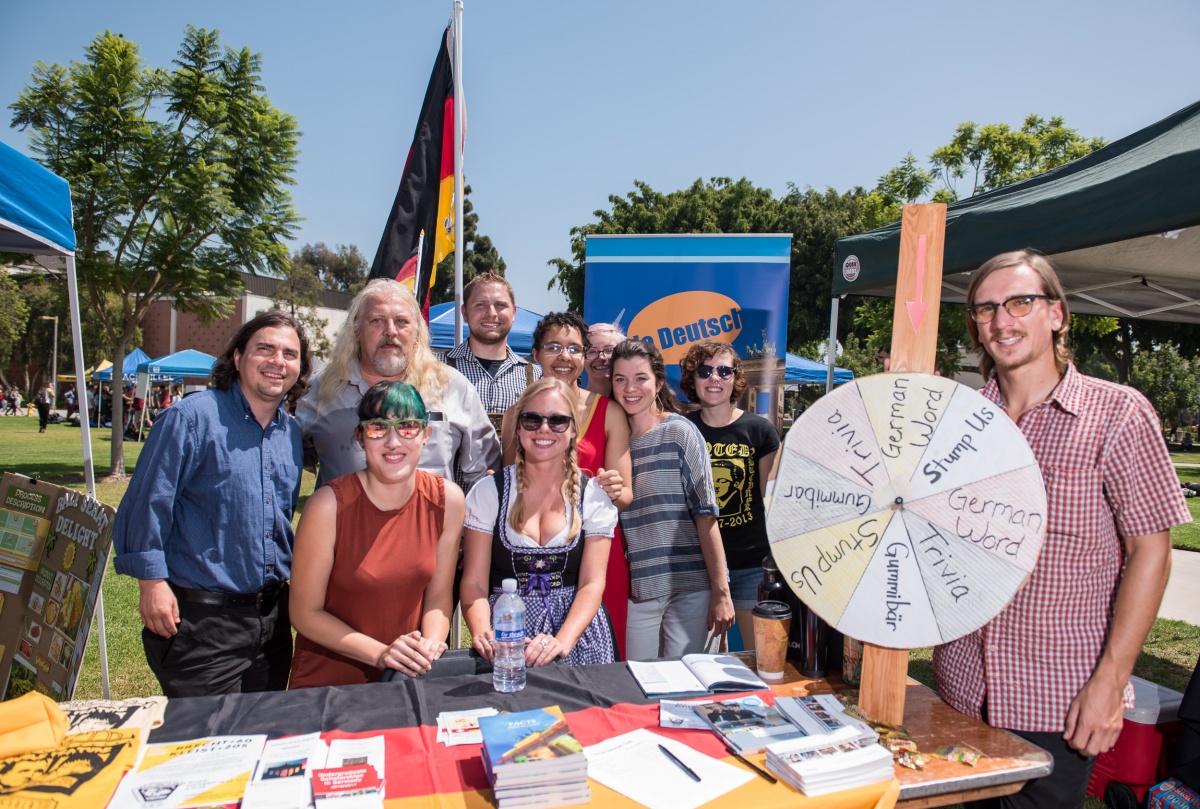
(188, 362)
(129, 367)
(801, 371)
(36, 217)
(442, 337)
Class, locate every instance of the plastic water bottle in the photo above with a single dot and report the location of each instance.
(508, 622)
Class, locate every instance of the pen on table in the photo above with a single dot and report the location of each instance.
(675, 760)
(762, 773)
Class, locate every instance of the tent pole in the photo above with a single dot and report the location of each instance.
(459, 121)
(831, 349)
(89, 473)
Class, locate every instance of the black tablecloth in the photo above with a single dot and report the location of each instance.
(401, 703)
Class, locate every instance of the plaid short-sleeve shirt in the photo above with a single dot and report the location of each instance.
(1108, 476)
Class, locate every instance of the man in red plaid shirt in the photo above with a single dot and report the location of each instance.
(1054, 666)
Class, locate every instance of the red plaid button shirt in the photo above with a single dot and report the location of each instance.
(1108, 475)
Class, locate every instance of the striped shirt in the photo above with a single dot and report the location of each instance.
(499, 392)
(1108, 476)
(672, 485)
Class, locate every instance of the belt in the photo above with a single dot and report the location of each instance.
(260, 600)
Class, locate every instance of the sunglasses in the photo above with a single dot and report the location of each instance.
(534, 421)
(723, 371)
(1019, 306)
(554, 349)
(378, 428)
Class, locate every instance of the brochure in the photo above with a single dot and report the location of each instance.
(748, 724)
(213, 771)
(283, 777)
(693, 675)
(461, 727)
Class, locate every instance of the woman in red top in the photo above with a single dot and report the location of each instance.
(375, 555)
(559, 346)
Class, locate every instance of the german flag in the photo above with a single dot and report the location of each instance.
(420, 226)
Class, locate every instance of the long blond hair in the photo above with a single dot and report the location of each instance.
(423, 370)
(570, 484)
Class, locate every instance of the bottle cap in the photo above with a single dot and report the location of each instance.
(769, 563)
(509, 585)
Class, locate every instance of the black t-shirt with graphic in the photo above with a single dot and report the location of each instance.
(734, 452)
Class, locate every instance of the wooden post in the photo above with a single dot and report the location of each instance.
(914, 348)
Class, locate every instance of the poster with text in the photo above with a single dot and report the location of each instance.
(53, 552)
(674, 291)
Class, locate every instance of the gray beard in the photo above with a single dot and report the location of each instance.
(389, 365)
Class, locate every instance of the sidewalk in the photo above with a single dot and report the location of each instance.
(1181, 601)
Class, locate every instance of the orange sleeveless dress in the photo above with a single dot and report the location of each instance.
(382, 562)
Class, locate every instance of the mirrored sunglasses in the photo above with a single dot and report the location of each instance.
(723, 371)
(378, 428)
(534, 421)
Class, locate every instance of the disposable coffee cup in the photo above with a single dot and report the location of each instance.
(772, 624)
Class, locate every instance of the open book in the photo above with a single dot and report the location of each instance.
(694, 674)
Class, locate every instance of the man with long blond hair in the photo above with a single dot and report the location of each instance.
(386, 339)
(1054, 665)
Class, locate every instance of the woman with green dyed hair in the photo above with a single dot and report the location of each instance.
(375, 554)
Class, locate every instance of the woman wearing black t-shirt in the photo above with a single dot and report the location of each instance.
(742, 448)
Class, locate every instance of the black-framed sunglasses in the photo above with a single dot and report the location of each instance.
(1017, 306)
(596, 353)
(532, 422)
(554, 349)
(723, 371)
(405, 428)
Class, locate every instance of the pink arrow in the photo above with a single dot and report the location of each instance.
(916, 309)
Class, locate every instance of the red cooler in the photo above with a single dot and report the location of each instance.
(1145, 750)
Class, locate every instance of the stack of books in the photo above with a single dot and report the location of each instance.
(532, 759)
(835, 752)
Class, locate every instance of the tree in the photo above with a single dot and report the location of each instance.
(1169, 381)
(298, 293)
(178, 177)
(343, 268)
(479, 255)
(14, 317)
(994, 155)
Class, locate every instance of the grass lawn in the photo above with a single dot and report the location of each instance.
(1168, 656)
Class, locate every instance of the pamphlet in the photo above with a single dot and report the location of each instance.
(213, 771)
(748, 724)
(353, 775)
(283, 777)
(461, 727)
(693, 675)
(681, 715)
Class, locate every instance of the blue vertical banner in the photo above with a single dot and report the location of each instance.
(674, 291)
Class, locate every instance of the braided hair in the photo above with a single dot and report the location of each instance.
(570, 485)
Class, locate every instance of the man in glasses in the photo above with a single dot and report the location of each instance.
(1054, 666)
(499, 374)
(206, 525)
(385, 338)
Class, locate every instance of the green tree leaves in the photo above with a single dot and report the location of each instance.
(179, 177)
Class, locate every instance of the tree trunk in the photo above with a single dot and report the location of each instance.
(116, 467)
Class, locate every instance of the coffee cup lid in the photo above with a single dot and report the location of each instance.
(772, 609)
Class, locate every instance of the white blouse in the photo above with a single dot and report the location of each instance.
(483, 503)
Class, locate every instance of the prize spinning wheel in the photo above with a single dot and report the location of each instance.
(907, 510)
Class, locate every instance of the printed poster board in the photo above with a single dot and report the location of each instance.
(675, 290)
(54, 546)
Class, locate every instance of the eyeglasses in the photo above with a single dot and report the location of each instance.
(723, 371)
(554, 349)
(1017, 306)
(378, 428)
(532, 422)
(597, 353)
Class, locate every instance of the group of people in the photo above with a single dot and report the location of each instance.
(43, 400)
(634, 531)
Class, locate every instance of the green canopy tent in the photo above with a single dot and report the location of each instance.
(1119, 224)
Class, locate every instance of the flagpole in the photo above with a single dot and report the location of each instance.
(459, 107)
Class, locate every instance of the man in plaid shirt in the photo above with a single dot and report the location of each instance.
(1054, 666)
(497, 372)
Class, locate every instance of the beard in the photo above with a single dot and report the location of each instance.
(489, 338)
(389, 363)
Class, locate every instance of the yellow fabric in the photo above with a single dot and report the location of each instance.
(81, 773)
(30, 723)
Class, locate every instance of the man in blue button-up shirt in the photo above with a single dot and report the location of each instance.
(206, 525)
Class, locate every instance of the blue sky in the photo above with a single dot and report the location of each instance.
(569, 102)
